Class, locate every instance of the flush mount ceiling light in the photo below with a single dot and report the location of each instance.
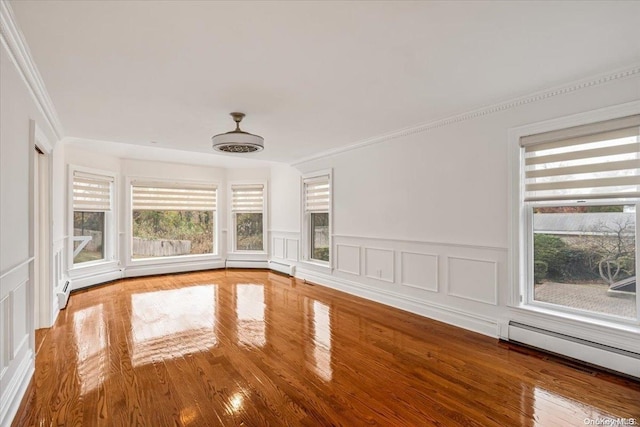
(237, 141)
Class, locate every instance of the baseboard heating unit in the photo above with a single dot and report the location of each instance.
(616, 359)
(282, 268)
(63, 296)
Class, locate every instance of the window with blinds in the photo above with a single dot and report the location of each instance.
(247, 208)
(591, 162)
(173, 198)
(317, 208)
(580, 189)
(171, 220)
(91, 193)
(92, 203)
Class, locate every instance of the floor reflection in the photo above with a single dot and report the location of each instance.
(91, 339)
(172, 323)
(550, 408)
(250, 313)
(322, 340)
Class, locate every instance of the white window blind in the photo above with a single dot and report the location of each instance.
(167, 197)
(595, 161)
(91, 193)
(317, 194)
(247, 198)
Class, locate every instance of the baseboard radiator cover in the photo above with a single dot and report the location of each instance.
(282, 268)
(615, 359)
(63, 295)
(246, 264)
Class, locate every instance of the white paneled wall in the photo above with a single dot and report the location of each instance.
(458, 284)
(16, 324)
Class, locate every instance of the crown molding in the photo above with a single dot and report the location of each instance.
(483, 111)
(13, 40)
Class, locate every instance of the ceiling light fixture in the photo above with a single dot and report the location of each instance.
(237, 141)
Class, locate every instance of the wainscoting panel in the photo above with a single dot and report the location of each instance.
(16, 323)
(5, 333)
(348, 259)
(292, 250)
(419, 270)
(278, 247)
(473, 279)
(379, 264)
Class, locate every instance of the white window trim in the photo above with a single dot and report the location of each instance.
(182, 259)
(111, 259)
(305, 231)
(233, 252)
(520, 243)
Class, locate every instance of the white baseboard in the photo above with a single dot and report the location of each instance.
(483, 325)
(11, 397)
(595, 354)
(246, 264)
(149, 270)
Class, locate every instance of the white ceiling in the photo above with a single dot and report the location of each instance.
(311, 76)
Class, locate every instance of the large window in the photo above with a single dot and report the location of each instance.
(92, 206)
(247, 210)
(579, 210)
(172, 220)
(317, 217)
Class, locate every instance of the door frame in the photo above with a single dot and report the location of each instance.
(43, 296)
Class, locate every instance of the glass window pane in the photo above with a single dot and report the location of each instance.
(172, 233)
(249, 232)
(585, 258)
(320, 236)
(88, 236)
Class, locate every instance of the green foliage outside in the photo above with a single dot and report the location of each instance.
(195, 226)
(249, 232)
(557, 261)
(321, 254)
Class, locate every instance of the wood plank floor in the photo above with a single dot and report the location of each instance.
(226, 348)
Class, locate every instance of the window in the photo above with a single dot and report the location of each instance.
(172, 220)
(247, 210)
(317, 217)
(579, 212)
(92, 205)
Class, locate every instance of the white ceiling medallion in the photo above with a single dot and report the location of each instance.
(237, 141)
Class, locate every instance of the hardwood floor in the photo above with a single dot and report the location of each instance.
(254, 348)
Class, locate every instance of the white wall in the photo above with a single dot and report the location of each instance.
(17, 108)
(284, 234)
(421, 221)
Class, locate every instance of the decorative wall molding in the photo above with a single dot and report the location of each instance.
(474, 273)
(409, 277)
(278, 248)
(423, 242)
(14, 41)
(340, 264)
(291, 250)
(384, 274)
(596, 80)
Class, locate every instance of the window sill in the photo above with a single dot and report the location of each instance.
(89, 267)
(174, 259)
